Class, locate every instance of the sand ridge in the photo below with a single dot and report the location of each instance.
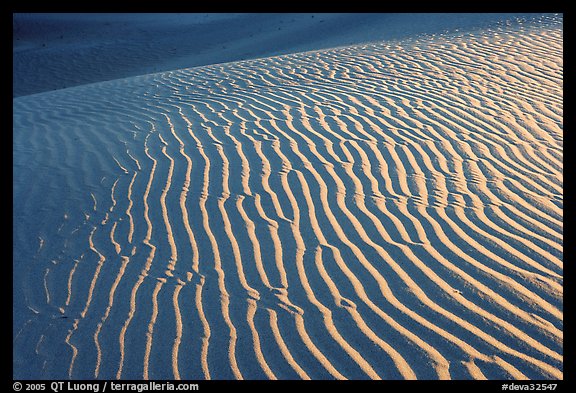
(381, 211)
(59, 50)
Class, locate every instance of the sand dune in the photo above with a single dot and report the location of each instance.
(378, 211)
(56, 51)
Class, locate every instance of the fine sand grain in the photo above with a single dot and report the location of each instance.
(383, 211)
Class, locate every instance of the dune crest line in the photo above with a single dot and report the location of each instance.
(391, 210)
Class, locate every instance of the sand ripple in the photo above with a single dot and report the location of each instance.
(384, 211)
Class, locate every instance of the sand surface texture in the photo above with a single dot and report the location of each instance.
(389, 211)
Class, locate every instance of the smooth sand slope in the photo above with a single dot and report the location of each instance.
(387, 211)
(55, 51)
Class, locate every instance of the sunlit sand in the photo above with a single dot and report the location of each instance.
(391, 210)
